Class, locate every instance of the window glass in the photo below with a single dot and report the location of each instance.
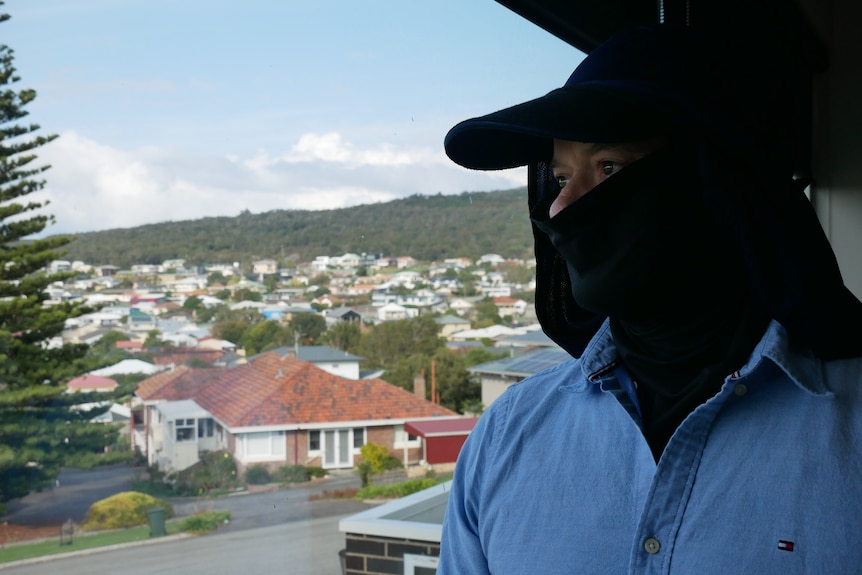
(258, 443)
(278, 444)
(185, 429)
(314, 440)
(358, 437)
(401, 436)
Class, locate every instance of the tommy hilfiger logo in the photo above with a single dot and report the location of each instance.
(785, 545)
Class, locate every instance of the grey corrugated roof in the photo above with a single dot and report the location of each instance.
(524, 365)
(537, 337)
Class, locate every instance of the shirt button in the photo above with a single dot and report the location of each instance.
(740, 390)
(652, 545)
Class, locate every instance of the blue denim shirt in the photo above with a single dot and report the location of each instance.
(765, 477)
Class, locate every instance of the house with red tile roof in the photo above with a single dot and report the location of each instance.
(277, 410)
(90, 383)
(509, 306)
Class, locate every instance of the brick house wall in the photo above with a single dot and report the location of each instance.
(373, 555)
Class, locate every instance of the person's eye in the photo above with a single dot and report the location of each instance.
(609, 167)
(562, 181)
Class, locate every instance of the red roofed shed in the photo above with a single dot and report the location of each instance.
(442, 438)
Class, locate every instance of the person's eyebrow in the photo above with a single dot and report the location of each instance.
(602, 146)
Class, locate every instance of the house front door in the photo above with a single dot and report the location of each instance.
(336, 448)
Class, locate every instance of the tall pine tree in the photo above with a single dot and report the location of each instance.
(38, 430)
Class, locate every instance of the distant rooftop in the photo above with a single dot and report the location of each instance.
(524, 365)
(531, 338)
(314, 353)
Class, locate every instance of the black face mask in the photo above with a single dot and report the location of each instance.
(642, 249)
(641, 244)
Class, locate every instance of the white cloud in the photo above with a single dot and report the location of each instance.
(93, 187)
(332, 148)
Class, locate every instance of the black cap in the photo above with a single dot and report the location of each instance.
(630, 88)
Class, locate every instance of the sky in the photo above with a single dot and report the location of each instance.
(171, 110)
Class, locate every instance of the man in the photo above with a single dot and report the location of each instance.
(712, 421)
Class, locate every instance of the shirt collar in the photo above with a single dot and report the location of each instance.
(799, 364)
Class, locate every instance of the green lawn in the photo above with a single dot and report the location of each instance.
(28, 551)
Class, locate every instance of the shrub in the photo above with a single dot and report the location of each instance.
(257, 475)
(375, 459)
(205, 522)
(315, 471)
(125, 509)
(215, 470)
(397, 490)
(291, 474)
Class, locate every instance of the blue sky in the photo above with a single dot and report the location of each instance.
(181, 109)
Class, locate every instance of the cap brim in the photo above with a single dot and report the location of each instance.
(524, 134)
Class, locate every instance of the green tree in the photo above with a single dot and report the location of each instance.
(486, 313)
(264, 336)
(308, 325)
(216, 278)
(272, 283)
(344, 335)
(245, 294)
(38, 430)
(193, 304)
(153, 339)
(454, 385)
(231, 325)
(390, 341)
(405, 369)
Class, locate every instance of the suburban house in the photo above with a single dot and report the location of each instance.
(496, 376)
(265, 267)
(509, 306)
(91, 383)
(329, 359)
(394, 312)
(449, 324)
(277, 410)
(339, 314)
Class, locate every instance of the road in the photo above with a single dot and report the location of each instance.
(70, 499)
(77, 490)
(297, 548)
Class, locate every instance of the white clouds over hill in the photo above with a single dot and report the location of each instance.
(92, 186)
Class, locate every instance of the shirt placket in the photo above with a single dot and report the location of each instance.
(655, 537)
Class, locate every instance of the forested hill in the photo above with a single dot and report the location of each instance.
(424, 227)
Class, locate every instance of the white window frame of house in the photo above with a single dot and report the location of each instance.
(411, 562)
(185, 423)
(313, 450)
(363, 435)
(266, 448)
(402, 438)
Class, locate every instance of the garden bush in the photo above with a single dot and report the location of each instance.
(315, 471)
(397, 490)
(297, 473)
(375, 460)
(215, 470)
(126, 509)
(257, 475)
(205, 522)
(291, 474)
